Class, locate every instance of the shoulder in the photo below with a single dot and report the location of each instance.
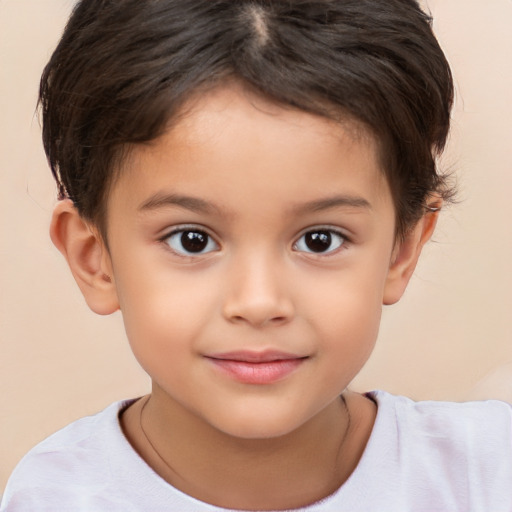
(75, 440)
(477, 429)
(446, 419)
(75, 456)
(446, 454)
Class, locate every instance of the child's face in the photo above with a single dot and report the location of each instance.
(251, 233)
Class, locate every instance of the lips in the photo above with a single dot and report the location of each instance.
(257, 367)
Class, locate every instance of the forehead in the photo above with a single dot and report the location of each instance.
(230, 141)
(235, 113)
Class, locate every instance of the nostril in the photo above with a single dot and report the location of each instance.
(258, 320)
(257, 300)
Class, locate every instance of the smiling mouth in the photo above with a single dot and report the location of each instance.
(257, 368)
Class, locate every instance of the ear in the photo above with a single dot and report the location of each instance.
(407, 252)
(87, 257)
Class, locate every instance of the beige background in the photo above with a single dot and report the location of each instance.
(58, 361)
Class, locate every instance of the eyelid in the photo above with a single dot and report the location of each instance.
(186, 227)
(180, 228)
(326, 227)
(329, 228)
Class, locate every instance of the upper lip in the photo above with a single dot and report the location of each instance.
(250, 356)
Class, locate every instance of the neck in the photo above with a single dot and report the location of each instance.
(285, 472)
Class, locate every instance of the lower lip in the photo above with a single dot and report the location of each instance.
(258, 373)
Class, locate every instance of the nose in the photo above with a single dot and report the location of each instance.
(258, 294)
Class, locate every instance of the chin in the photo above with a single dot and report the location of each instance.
(261, 427)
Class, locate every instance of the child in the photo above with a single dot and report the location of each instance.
(248, 182)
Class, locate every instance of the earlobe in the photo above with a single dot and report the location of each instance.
(406, 255)
(87, 257)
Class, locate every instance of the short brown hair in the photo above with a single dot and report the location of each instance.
(123, 69)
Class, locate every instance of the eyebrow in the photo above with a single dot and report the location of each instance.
(195, 204)
(333, 202)
(162, 200)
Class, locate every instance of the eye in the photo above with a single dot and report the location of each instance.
(319, 241)
(190, 242)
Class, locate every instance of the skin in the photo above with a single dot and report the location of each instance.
(255, 177)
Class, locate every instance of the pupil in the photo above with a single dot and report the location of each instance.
(318, 241)
(194, 241)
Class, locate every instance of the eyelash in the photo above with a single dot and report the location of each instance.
(325, 230)
(181, 230)
(210, 243)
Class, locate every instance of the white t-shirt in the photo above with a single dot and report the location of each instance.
(421, 457)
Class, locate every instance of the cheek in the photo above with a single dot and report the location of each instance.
(352, 321)
(164, 313)
(348, 340)
(346, 313)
